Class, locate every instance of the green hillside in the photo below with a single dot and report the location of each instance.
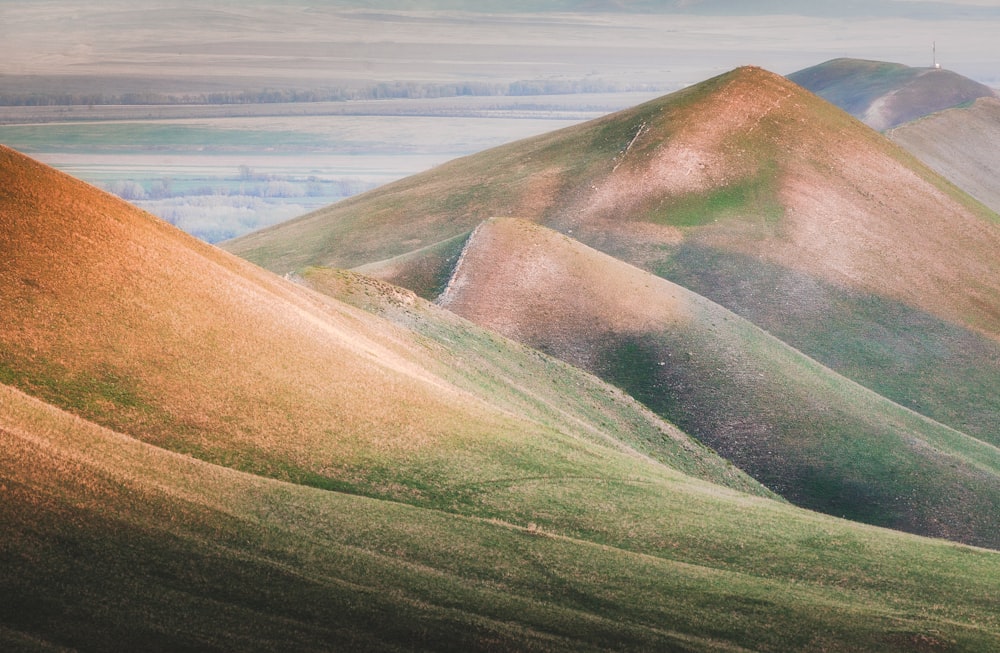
(108, 543)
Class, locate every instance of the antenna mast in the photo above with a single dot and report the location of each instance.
(937, 66)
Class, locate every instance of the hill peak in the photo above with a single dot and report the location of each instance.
(747, 163)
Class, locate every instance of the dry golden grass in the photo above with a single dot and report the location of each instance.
(134, 325)
(182, 345)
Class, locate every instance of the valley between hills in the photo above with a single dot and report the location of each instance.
(714, 373)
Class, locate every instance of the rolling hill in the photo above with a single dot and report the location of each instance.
(885, 95)
(961, 144)
(950, 123)
(814, 437)
(745, 189)
(127, 322)
(198, 455)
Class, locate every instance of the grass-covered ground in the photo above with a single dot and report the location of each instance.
(109, 543)
(762, 197)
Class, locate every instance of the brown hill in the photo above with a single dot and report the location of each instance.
(962, 144)
(810, 435)
(126, 321)
(538, 526)
(885, 95)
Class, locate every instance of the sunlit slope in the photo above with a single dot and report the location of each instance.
(816, 438)
(121, 319)
(885, 95)
(110, 544)
(747, 189)
(963, 144)
(522, 381)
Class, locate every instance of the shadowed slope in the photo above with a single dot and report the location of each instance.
(522, 381)
(110, 544)
(962, 144)
(723, 187)
(885, 95)
(816, 438)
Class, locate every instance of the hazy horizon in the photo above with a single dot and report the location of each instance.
(431, 75)
(268, 43)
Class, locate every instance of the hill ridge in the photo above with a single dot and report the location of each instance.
(959, 143)
(164, 338)
(814, 226)
(769, 162)
(773, 411)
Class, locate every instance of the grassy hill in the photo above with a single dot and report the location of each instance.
(127, 322)
(197, 455)
(816, 438)
(746, 189)
(885, 95)
(961, 144)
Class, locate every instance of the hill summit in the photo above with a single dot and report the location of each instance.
(885, 95)
(747, 163)
(745, 189)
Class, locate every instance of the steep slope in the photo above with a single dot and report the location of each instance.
(519, 380)
(962, 144)
(819, 440)
(746, 189)
(885, 95)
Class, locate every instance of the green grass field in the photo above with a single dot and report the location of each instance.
(167, 553)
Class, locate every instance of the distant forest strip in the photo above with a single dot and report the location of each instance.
(380, 91)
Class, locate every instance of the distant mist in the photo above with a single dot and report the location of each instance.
(919, 9)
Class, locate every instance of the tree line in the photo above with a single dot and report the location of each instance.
(381, 91)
